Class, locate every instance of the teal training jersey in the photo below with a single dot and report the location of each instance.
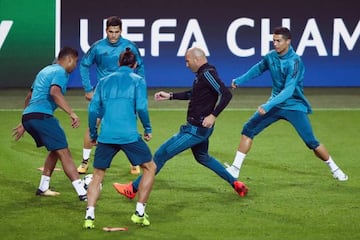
(105, 56)
(41, 100)
(121, 96)
(287, 73)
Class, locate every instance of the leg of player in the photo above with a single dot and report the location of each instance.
(145, 186)
(243, 149)
(70, 170)
(201, 155)
(323, 154)
(93, 196)
(44, 185)
(302, 125)
(84, 166)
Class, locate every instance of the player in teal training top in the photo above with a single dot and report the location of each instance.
(104, 54)
(118, 93)
(121, 96)
(287, 102)
(46, 94)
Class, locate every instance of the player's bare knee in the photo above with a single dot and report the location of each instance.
(149, 166)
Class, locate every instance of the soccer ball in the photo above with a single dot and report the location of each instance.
(86, 181)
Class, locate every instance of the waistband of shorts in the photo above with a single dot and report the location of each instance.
(194, 122)
(35, 115)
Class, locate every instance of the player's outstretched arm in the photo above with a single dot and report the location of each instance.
(160, 96)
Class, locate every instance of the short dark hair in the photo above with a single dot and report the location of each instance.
(113, 21)
(66, 51)
(127, 58)
(283, 31)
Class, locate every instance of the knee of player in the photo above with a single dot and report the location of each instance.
(149, 166)
(152, 166)
(202, 158)
(312, 144)
(250, 133)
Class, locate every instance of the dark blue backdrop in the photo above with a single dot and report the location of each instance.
(214, 18)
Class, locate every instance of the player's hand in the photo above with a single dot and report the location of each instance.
(93, 142)
(147, 137)
(159, 96)
(18, 132)
(75, 120)
(89, 95)
(209, 121)
(261, 110)
(233, 85)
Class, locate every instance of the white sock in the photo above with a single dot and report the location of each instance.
(140, 208)
(239, 159)
(332, 165)
(79, 187)
(86, 153)
(90, 212)
(44, 183)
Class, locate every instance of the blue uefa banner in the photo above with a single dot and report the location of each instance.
(235, 35)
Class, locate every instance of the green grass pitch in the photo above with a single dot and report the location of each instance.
(292, 194)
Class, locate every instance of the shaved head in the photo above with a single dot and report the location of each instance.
(195, 57)
(196, 52)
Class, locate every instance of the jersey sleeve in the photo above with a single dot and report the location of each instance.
(60, 78)
(223, 92)
(142, 105)
(140, 69)
(93, 111)
(85, 64)
(253, 72)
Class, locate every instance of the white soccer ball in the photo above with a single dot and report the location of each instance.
(86, 181)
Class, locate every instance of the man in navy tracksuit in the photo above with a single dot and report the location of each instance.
(208, 98)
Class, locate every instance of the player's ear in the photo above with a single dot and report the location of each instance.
(135, 65)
